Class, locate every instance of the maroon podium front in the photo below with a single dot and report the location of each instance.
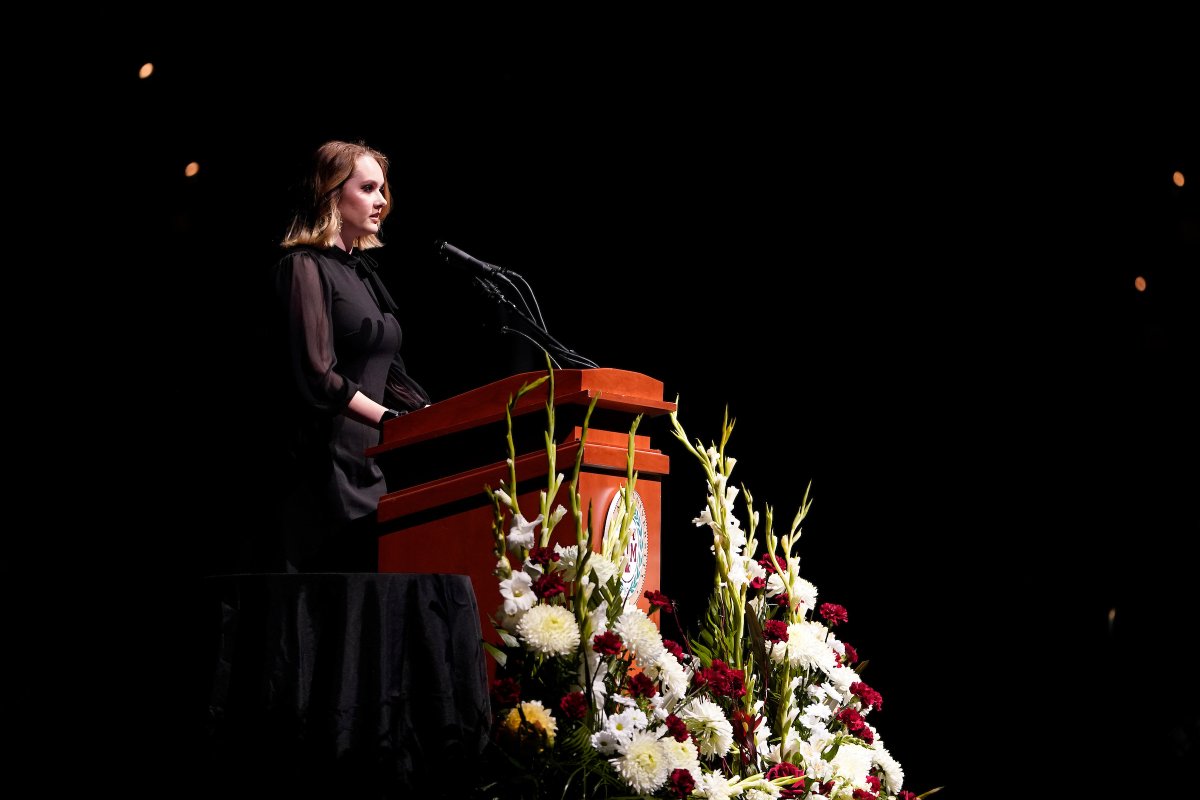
(437, 518)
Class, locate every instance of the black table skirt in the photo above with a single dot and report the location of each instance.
(346, 685)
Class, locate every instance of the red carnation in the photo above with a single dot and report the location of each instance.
(851, 653)
(768, 562)
(870, 697)
(543, 555)
(657, 599)
(775, 630)
(607, 643)
(863, 794)
(642, 686)
(786, 769)
(851, 719)
(506, 691)
(673, 648)
(682, 782)
(833, 613)
(677, 727)
(547, 586)
(574, 705)
(721, 680)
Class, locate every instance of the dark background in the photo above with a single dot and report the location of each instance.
(906, 267)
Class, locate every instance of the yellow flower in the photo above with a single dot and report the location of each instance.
(538, 730)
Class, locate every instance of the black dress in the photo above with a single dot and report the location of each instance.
(337, 335)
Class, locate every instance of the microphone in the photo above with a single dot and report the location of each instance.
(448, 250)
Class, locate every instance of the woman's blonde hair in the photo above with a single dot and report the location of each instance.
(316, 220)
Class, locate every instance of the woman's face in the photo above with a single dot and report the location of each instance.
(362, 200)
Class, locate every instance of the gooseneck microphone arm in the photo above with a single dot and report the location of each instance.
(484, 274)
(482, 270)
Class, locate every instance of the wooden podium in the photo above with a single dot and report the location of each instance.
(438, 460)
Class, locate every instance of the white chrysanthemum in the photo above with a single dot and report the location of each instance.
(893, 773)
(714, 786)
(602, 568)
(775, 585)
(671, 678)
(640, 635)
(568, 560)
(841, 678)
(852, 762)
(605, 742)
(817, 769)
(517, 592)
(642, 763)
(767, 792)
(681, 755)
(521, 532)
(626, 723)
(836, 644)
(804, 594)
(825, 693)
(814, 715)
(809, 750)
(805, 648)
(550, 630)
(709, 726)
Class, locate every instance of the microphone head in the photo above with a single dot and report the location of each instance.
(448, 249)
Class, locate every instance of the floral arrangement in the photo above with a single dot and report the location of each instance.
(590, 701)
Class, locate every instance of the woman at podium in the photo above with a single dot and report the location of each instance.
(340, 376)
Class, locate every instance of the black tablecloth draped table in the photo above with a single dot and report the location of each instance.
(346, 685)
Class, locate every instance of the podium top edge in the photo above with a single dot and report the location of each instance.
(622, 390)
(607, 380)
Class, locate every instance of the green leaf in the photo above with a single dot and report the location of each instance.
(498, 654)
(758, 644)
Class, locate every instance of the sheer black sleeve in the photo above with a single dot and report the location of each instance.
(404, 392)
(300, 286)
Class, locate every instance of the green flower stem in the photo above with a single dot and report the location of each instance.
(552, 481)
(583, 536)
